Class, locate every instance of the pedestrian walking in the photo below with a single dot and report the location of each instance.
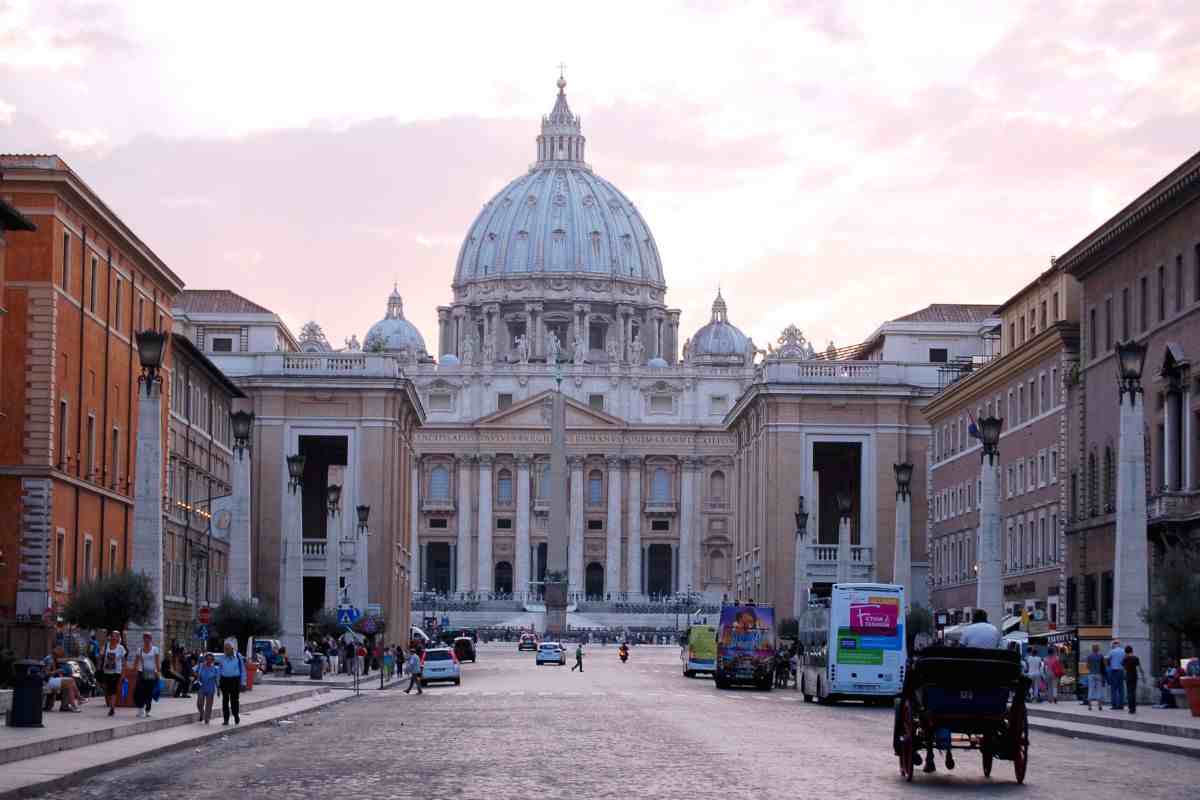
(414, 672)
(1033, 671)
(209, 674)
(1133, 668)
(148, 663)
(232, 679)
(1095, 676)
(1116, 675)
(578, 658)
(1054, 673)
(112, 664)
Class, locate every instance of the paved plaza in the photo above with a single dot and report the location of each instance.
(630, 731)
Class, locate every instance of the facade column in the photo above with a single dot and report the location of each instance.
(1170, 431)
(521, 551)
(1185, 415)
(989, 594)
(672, 348)
(612, 566)
(148, 503)
(687, 521)
(462, 578)
(414, 521)
(443, 314)
(240, 578)
(636, 586)
(484, 581)
(575, 554)
(1131, 577)
(650, 335)
(459, 326)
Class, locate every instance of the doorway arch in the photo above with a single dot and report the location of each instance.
(593, 582)
(504, 578)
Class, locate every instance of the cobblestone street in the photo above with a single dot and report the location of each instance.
(633, 730)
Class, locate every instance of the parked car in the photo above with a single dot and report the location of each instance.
(528, 642)
(551, 653)
(464, 649)
(440, 664)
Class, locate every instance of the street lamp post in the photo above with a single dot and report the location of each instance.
(240, 576)
(291, 596)
(1131, 582)
(147, 548)
(800, 560)
(902, 553)
(989, 594)
(845, 504)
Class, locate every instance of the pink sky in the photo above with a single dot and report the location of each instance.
(829, 165)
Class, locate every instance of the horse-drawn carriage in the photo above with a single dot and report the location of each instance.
(963, 698)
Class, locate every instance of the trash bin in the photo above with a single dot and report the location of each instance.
(316, 667)
(251, 670)
(26, 711)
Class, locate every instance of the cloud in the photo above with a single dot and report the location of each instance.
(75, 141)
(7, 110)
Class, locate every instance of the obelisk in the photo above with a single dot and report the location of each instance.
(556, 550)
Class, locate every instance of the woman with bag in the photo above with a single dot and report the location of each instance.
(233, 678)
(148, 663)
(1054, 673)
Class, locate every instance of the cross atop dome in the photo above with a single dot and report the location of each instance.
(562, 132)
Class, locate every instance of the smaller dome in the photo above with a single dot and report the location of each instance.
(394, 333)
(720, 341)
(449, 360)
(657, 363)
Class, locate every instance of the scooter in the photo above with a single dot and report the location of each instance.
(623, 653)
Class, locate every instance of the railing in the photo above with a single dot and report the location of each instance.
(437, 504)
(661, 506)
(1173, 505)
(312, 364)
(828, 554)
(856, 372)
(313, 549)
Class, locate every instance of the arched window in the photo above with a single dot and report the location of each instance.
(595, 487)
(660, 490)
(716, 485)
(504, 492)
(439, 483)
(1110, 481)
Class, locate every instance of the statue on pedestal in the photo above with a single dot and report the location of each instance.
(636, 351)
(580, 350)
(522, 349)
(611, 350)
(489, 352)
(687, 350)
(468, 349)
(553, 346)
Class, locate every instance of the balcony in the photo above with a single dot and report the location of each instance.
(1173, 506)
(822, 563)
(365, 365)
(660, 507)
(313, 549)
(716, 504)
(884, 373)
(437, 504)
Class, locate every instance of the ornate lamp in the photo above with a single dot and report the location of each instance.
(1131, 358)
(295, 465)
(364, 513)
(150, 345)
(844, 502)
(241, 422)
(801, 517)
(334, 496)
(989, 435)
(903, 478)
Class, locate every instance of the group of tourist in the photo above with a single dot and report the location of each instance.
(1120, 670)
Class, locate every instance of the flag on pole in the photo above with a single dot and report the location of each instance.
(972, 429)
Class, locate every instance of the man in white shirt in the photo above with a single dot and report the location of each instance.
(1033, 671)
(980, 633)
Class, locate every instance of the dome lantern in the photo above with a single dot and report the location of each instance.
(562, 132)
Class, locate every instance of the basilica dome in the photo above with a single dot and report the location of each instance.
(394, 333)
(559, 218)
(720, 340)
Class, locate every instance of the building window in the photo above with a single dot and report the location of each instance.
(716, 485)
(1012, 336)
(1125, 314)
(112, 558)
(64, 456)
(1106, 598)
(439, 401)
(660, 490)
(596, 402)
(114, 458)
(90, 444)
(66, 263)
(1196, 273)
(1144, 302)
(222, 344)
(504, 487)
(439, 483)
(503, 401)
(1179, 282)
(60, 557)
(939, 355)
(595, 487)
(718, 404)
(92, 286)
(595, 524)
(661, 404)
(1108, 326)
(87, 559)
(438, 523)
(1110, 482)
(1092, 353)
(140, 322)
(1162, 293)
(660, 525)
(116, 306)
(504, 523)
(1022, 329)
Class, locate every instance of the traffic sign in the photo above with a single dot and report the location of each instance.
(204, 615)
(348, 615)
(202, 633)
(369, 625)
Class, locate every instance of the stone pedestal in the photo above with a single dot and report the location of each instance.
(1131, 576)
(989, 590)
(148, 506)
(240, 578)
(902, 557)
(800, 565)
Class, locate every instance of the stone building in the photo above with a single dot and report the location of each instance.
(353, 416)
(196, 527)
(1139, 278)
(77, 289)
(1022, 381)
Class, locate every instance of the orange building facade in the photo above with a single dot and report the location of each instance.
(76, 290)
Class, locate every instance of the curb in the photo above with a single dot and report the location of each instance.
(1121, 721)
(1098, 735)
(63, 781)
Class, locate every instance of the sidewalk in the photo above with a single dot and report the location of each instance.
(1172, 730)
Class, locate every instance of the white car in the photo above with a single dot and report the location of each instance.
(440, 664)
(551, 653)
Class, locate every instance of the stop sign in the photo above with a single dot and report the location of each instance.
(204, 616)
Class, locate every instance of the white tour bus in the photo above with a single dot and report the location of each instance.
(852, 644)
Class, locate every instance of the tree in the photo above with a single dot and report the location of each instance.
(243, 620)
(325, 623)
(1177, 603)
(918, 620)
(112, 602)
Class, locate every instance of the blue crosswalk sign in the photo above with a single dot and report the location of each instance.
(347, 615)
(202, 633)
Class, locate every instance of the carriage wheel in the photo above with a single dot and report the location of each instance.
(908, 736)
(1018, 730)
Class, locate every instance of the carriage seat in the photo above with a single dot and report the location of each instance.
(966, 681)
